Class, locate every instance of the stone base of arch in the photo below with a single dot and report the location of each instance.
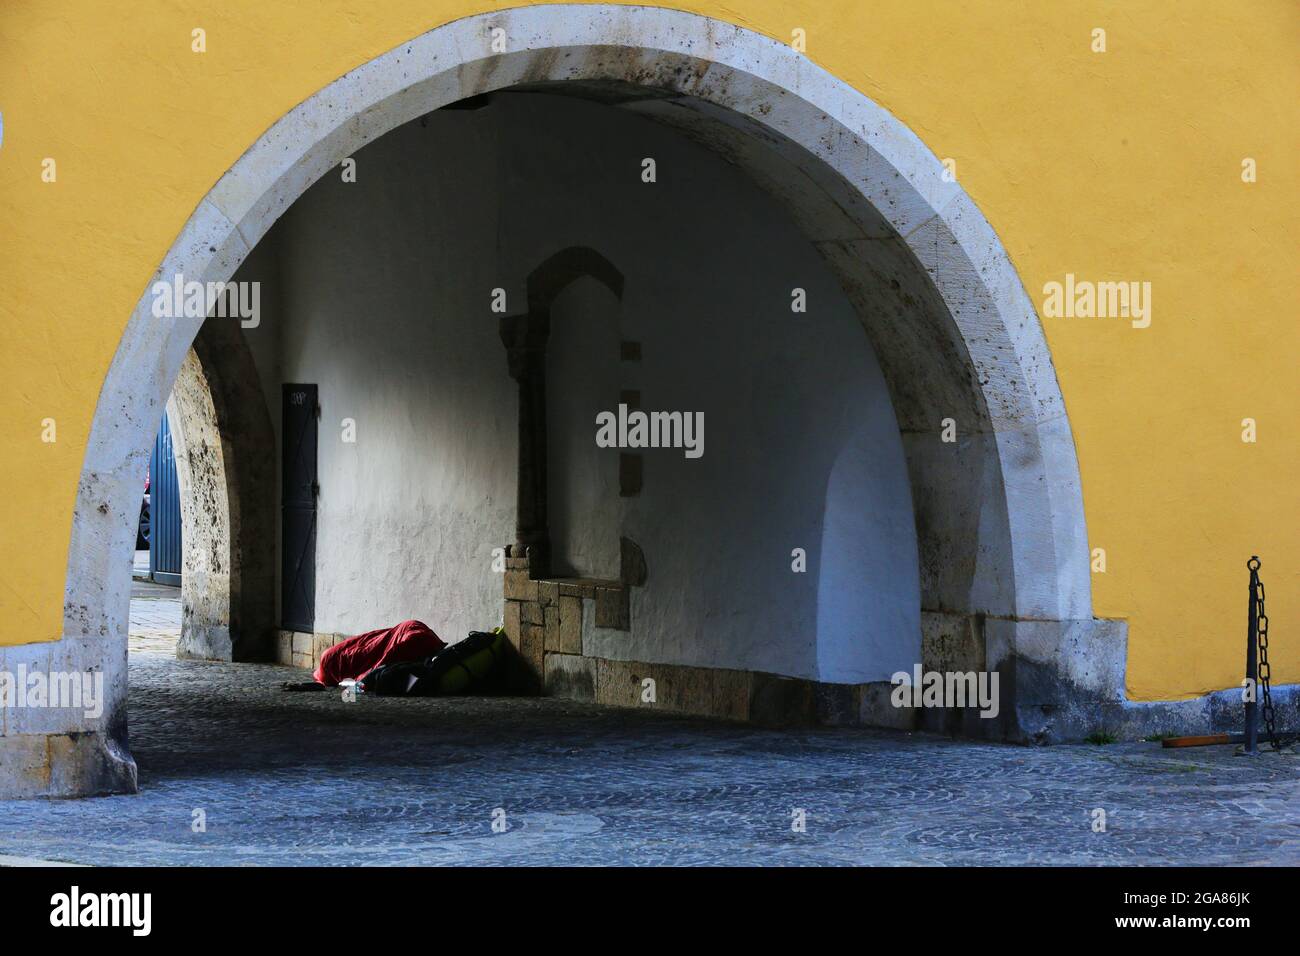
(65, 752)
(77, 764)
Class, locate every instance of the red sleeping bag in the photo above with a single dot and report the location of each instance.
(408, 641)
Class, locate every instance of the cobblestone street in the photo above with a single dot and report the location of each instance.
(310, 779)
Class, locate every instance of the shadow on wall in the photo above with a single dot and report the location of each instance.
(867, 593)
(586, 512)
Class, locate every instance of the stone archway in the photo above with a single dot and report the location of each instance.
(1003, 543)
(225, 466)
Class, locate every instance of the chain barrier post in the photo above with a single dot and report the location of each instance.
(1252, 661)
(1265, 672)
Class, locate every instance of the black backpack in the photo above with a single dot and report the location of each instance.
(477, 665)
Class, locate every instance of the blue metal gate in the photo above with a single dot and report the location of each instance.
(164, 511)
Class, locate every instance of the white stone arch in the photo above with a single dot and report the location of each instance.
(1010, 558)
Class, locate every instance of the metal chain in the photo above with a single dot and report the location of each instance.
(1264, 674)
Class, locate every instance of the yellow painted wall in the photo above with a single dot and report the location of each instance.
(1122, 165)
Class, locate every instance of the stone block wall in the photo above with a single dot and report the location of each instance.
(545, 621)
(297, 649)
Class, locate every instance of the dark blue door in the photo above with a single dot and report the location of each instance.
(298, 509)
(164, 511)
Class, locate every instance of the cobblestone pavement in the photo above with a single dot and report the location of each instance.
(155, 617)
(310, 779)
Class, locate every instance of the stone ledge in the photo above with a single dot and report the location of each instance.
(746, 696)
(584, 588)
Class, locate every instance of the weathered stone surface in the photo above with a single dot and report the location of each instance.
(548, 592)
(683, 688)
(511, 622)
(518, 586)
(782, 701)
(570, 625)
(204, 638)
(64, 765)
(25, 769)
(532, 652)
(226, 472)
(320, 644)
(1063, 680)
(876, 708)
(701, 691)
(836, 705)
(284, 648)
(731, 690)
(612, 609)
(618, 683)
(302, 650)
(552, 627)
(578, 587)
(571, 677)
(632, 569)
(952, 642)
(530, 612)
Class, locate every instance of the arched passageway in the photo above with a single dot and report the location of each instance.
(1001, 545)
